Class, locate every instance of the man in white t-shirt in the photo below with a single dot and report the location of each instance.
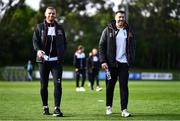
(117, 54)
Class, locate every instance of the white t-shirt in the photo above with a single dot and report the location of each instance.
(95, 58)
(51, 31)
(121, 46)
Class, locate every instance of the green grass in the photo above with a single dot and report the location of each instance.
(148, 100)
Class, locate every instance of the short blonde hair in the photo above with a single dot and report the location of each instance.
(51, 8)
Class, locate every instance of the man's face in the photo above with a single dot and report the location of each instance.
(120, 18)
(80, 50)
(94, 51)
(50, 15)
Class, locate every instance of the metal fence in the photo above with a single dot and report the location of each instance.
(19, 73)
(14, 73)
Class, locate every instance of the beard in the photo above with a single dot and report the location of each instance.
(120, 23)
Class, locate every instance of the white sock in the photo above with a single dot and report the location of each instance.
(56, 107)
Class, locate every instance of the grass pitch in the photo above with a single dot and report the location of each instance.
(148, 100)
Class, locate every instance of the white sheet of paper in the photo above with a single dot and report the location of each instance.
(51, 31)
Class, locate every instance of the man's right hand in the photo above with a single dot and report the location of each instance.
(104, 65)
(40, 53)
(76, 69)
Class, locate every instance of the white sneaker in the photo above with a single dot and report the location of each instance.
(82, 89)
(108, 110)
(77, 89)
(98, 89)
(125, 113)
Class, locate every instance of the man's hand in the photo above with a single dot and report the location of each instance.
(76, 69)
(40, 53)
(104, 65)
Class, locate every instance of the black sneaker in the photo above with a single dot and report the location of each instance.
(46, 111)
(58, 113)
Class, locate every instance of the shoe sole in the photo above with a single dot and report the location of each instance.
(108, 113)
(57, 115)
(98, 90)
(123, 115)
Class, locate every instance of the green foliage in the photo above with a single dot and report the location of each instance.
(156, 25)
(16, 34)
(157, 35)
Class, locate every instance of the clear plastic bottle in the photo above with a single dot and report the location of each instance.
(108, 74)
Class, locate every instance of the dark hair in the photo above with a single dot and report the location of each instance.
(120, 11)
(50, 7)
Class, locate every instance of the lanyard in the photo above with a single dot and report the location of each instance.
(117, 32)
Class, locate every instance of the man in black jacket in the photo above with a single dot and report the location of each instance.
(50, 43)
(117, 53)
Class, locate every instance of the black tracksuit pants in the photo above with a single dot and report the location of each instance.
(121, 73)
(56, 69)
(83, 73)
(94, 76)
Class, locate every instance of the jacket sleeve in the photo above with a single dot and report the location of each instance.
(103, 46)
(74, 60)
(88, 63)
(84, 62)
(36, 39)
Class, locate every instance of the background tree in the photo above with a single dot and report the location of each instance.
(16, 33)
(156, 25)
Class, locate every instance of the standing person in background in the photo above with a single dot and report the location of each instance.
(93, 66)
(29, 68)
(50, 43)
(80, 67)
(117, 54)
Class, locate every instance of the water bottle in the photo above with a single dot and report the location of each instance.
(108, 74)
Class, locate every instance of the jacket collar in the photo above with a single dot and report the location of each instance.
(45, 23)
(112, 25)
